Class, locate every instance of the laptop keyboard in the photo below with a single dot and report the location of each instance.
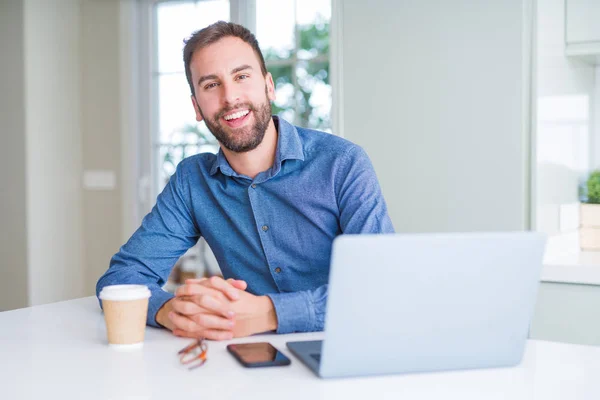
(317, 357)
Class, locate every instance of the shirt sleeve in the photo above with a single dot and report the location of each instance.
(362, 210)
(147, 258)
(362, 206)
(300, 311)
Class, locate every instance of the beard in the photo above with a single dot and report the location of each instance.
(243, 139)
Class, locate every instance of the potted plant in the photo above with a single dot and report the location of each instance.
(589, 231)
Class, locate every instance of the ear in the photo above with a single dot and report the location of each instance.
(196, 108)
(270, 86)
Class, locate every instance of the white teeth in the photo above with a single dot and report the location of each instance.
(236, 115)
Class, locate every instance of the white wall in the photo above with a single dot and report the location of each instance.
(434, 91)
(60, 108)
(13, 212)
(53, 143)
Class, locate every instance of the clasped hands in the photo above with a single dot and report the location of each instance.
(217, 309)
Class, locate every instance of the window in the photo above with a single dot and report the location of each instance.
(294, 38)
(179, 135)
(296, 49)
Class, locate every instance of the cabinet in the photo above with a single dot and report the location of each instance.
(582, 29)
(567, 313)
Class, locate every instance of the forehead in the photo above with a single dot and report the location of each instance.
(222, 56)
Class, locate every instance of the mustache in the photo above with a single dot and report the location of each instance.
(235, 107)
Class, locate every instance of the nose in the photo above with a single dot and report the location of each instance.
(231, 93)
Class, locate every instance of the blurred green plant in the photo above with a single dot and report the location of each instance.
(592, 188)
(313, 42)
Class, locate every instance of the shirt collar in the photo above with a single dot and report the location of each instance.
(289, 147)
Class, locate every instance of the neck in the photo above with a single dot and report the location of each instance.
(253, 162)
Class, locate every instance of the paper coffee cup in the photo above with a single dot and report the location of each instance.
(125, 311)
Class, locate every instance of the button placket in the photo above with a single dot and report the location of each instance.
(275, 272)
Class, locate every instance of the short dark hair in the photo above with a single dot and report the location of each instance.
(213, 33)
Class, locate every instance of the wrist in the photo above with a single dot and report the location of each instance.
(162, 315)
(269, 316)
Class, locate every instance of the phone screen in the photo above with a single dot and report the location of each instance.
(258, 354)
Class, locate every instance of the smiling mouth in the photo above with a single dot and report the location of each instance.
(236, 119)
(236, 115)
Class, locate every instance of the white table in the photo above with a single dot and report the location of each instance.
(59, 351)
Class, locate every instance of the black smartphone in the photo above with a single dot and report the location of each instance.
(254, 355)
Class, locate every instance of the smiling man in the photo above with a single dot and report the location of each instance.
(269, 204)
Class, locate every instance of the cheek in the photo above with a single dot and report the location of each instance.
(208, 107)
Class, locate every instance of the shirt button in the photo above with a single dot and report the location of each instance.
(265, 228)
(278, 270)
(254, 186)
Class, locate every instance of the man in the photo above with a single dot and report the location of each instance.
(269, 205)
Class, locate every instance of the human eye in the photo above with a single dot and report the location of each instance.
(242, 77)
(211, 85)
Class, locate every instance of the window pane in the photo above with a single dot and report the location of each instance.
(180, 134)
(313, 40)
(299, 65)
(284, 89)
(313, 28)
(178, 20)
(316, 82)
(313, 95)
(175, 106)
(312, 11)
(275, 34)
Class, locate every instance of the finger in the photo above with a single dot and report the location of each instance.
(205, 304)
(218, 335)
(212, 321)
(217, 302)
(181, 322)
(187, 289)
(237, 283)
(194, 289)
(215, 306)
(218, 283)
(221, 284)
(186, 306)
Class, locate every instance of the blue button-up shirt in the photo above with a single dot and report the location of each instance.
(274, 231)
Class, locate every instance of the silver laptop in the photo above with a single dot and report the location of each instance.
(404, 303)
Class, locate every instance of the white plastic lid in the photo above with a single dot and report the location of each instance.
(124, 292)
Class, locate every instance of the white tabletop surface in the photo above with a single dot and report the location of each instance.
(59, 351)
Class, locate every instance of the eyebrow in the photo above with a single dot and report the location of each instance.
(233, 71)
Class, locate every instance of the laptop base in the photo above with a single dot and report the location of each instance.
(309, 352)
